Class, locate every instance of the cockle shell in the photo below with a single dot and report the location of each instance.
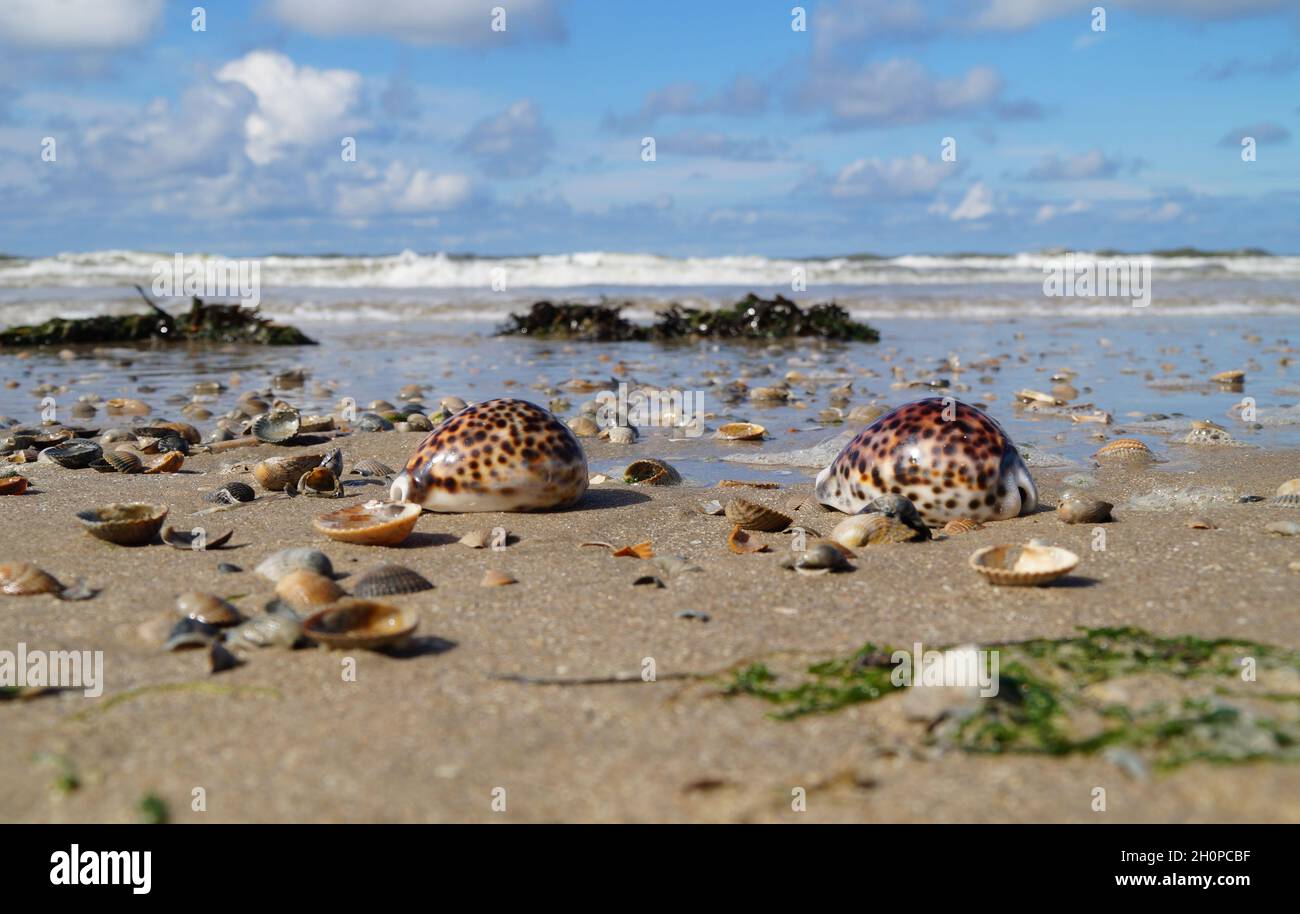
(21, 579)
(1287, 495)
(873, 530)
(207, 608)
(961, 525)
(389, 580)
(169, 462)
(1078, 509)
(276, 474)
(748, 515)
(124, 462)
(948, 458)
(741, 431)
(133, 524)
(361, 624)
(279, 564)
(1125, 449)
(371, 467)
(375, 523)
(231, 493)
(1011, 565)
(305, 590)
(319, 482)
(277, 426)
(498, 455)
(73, 454)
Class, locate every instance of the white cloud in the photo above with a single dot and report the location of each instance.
(63, 25)
(1047, 212)
(443, 22)
(898, 91)
(1020, 14)
(977, 204)
(295, 105)
(895, 178)
(404, 190)
(513, 143)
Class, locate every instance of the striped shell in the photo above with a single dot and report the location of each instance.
(1287, 495)
(1125, 449)
(962, 525)
(124, 461)
(371, 467)
(231, 493)
(748, 515)
(73, 454)
(389, 580)
(277, 426)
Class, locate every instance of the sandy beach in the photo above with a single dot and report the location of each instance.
(430, 736)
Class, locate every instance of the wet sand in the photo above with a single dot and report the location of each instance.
(430, 737)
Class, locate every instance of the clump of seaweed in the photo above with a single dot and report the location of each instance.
(204, 322)
(752, 318)
(1044, 704)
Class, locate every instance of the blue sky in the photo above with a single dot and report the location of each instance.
(767, 140)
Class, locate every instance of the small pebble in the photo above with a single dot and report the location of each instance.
(691, 614)
(228, 568)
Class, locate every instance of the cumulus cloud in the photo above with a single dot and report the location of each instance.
(455, 23)
(898, 178)
(977, 204)
(295, 105)
(1263, 132)
(742, 96)
(77, 25)
(897, 91)
(403, 190)
(511, 144)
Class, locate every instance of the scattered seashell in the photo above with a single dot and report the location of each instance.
(305, 590)
(621, 434)
(1209, 435)
(133, 524)
(270, 629)
(73, 454)
(1012, 565)
(597, 479)
(220, 659)
(1037, 396)
(640, 551)
(583, 427)
(276, 566)
(275, 474)
(494, 578)
(190, 633)
(389, 580)
(651, 471)
(231, 493)
(1287, 495)
(124, 462)
(769, 394)
(751, 516)
(1077, 509)
(360, 623)
(962, 525)
(1125, 449)
(741, 431)
(169, 462)
(713, 508)
(1232, 379)
(821, 558)
(22, 579)
(372, 468)
(207, 608)
(747, 484)
(375, 523)
(740, 542)
(319, 482)
(125, 407)
(873, 529)
(13, 485)
(1201, 523)
(277, 426)
(197, 541)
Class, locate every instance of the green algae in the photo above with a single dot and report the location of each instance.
(1183, 709)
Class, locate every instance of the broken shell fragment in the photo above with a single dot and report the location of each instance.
(364, 624)
(13, 485)
(134, 524)
(1011, 565)
(651, 471)
(741, 543)
(23, 579)
(749, 515)
(375, 523)
(190, 633)
(196, 539)
(319, 482)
